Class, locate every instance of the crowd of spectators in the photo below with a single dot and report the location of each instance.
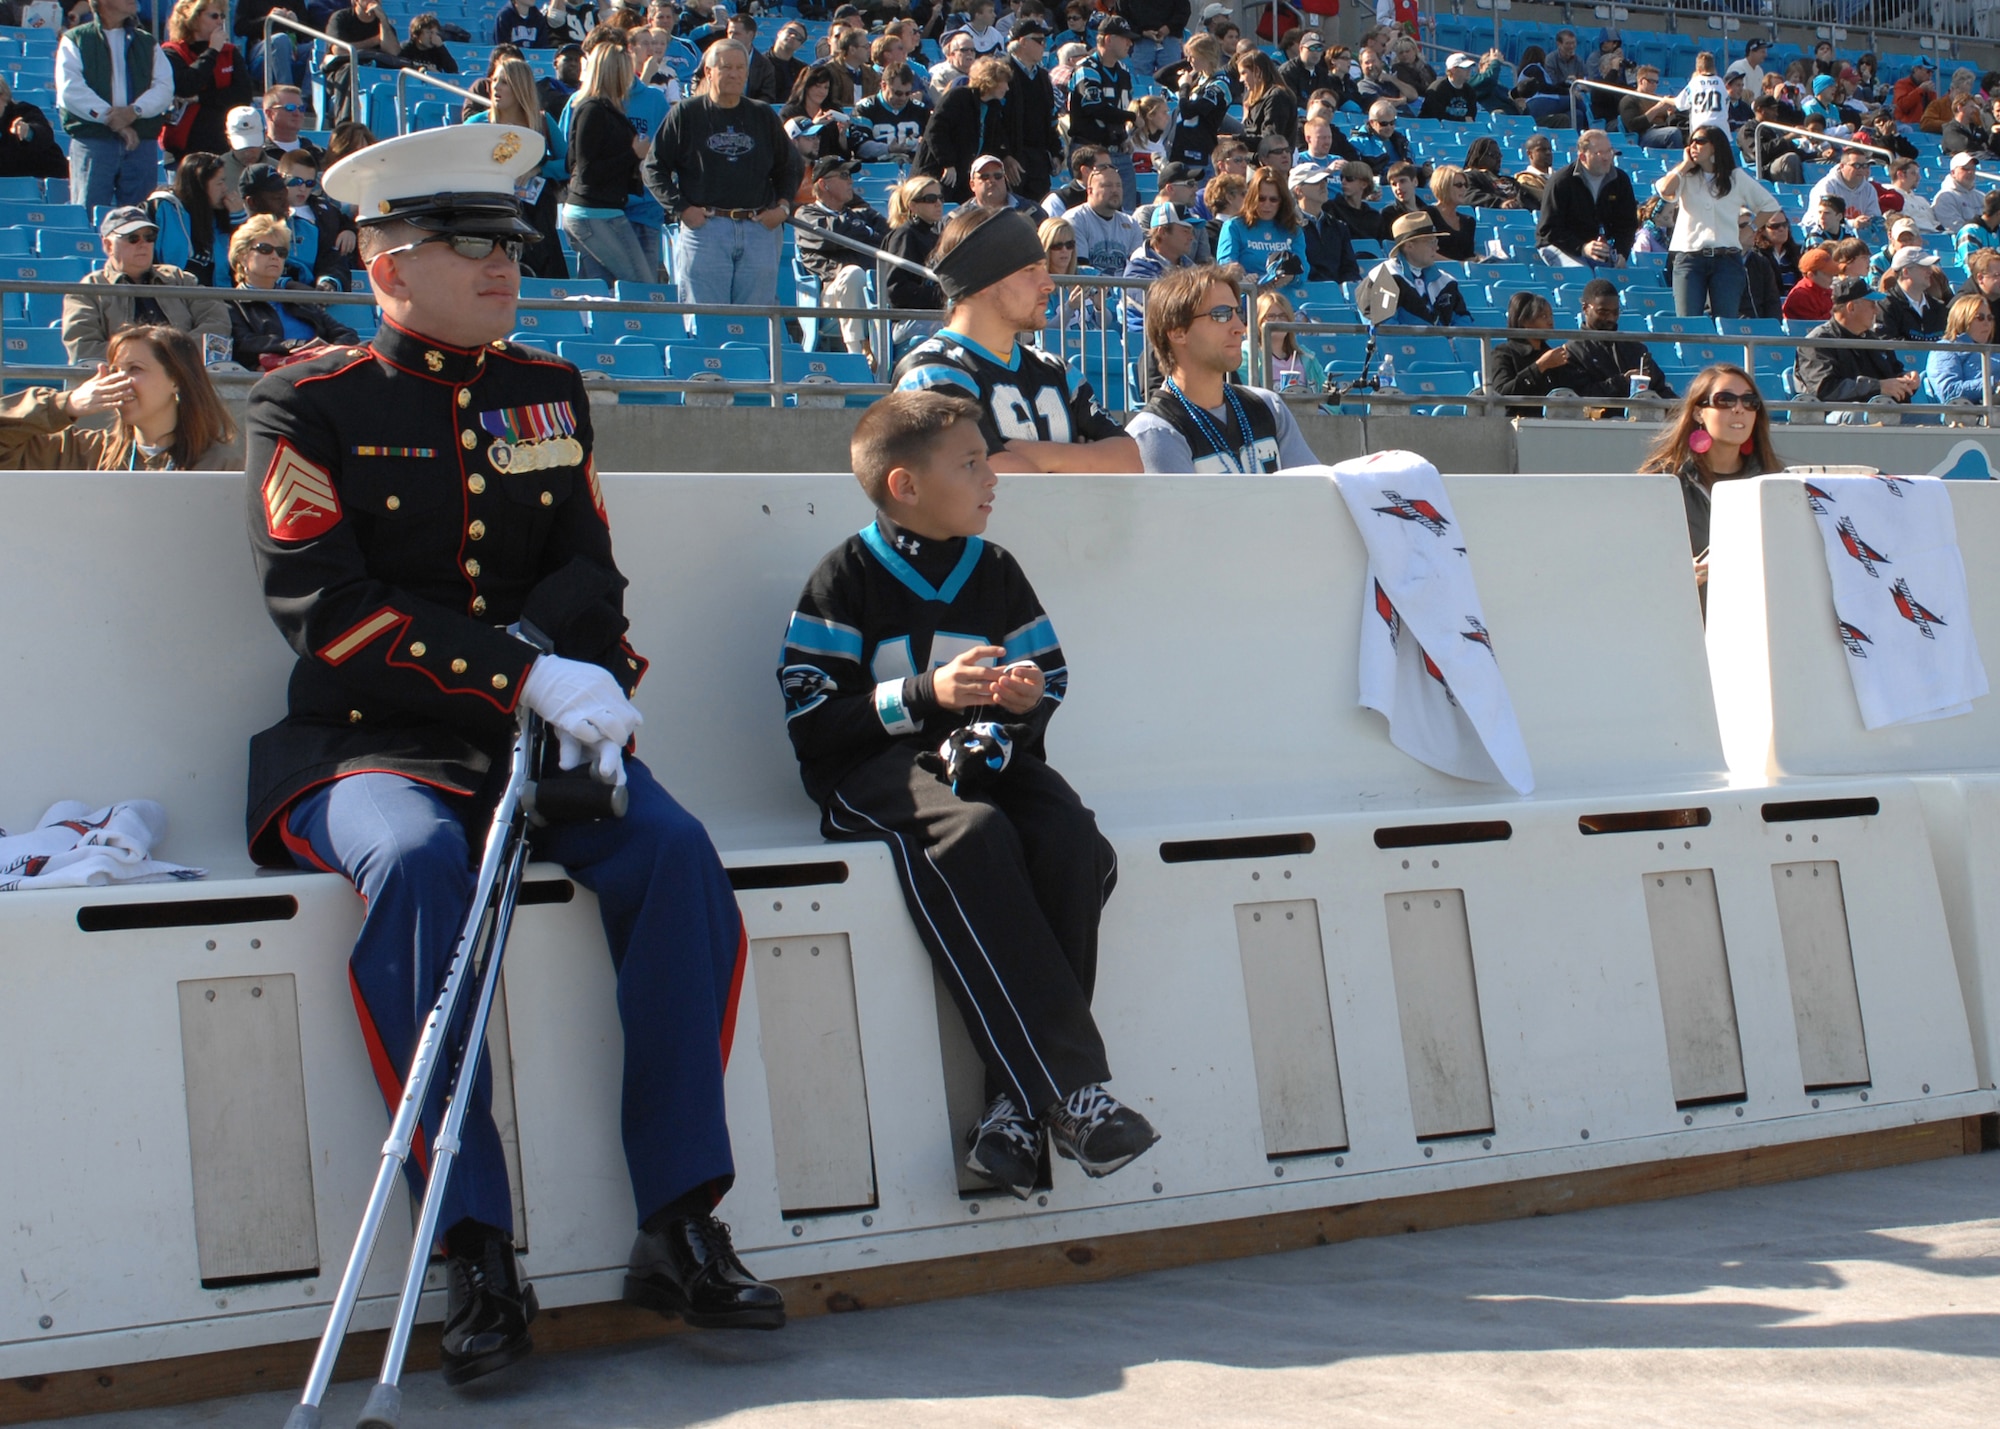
(681, 140)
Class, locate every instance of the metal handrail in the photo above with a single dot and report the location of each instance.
(1576, 84)
(1931, 40)
(353, 64)
(403, 77)
(1114, 339)
(1757, 142)
(1751, 343)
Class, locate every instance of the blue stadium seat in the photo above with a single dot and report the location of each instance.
(42, 309)
(36, 347)
(1685, 327)
(21, 188)
(696, 363)
(1697, 355)
(837, 368)
(1408, 344)
(610, 359)
(628, 292)
(1750, 327)
(713, 330)
(1442, 382)
(45, 215)
(616, 326)
(549, 324)
(17, 242)
(45, 270)
(68, 243)
(564, 288)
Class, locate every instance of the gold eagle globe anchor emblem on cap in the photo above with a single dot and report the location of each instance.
(507, 148)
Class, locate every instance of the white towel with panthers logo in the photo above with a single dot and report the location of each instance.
(1899, 598)
(76, 846)
(1427, 662)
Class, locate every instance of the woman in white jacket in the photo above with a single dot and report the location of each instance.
(1707, 254)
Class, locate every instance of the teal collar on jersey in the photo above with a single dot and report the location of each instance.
(903, 571)
(1012, 361)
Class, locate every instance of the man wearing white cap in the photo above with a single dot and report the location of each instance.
(1958, 200)
(245, 127)
(426, 518)
(1450, 95)
(1913, 309)
(1329, 246)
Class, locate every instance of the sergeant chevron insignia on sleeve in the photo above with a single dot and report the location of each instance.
(300, 503)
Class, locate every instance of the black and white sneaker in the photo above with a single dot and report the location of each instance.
(1097, 1131)
(1006, 1148)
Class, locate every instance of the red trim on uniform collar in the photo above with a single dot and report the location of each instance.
(426, 357)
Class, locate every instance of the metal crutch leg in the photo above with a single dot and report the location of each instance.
(503, 835)
(385, 1401)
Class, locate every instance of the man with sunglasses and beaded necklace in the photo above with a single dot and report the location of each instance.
(426, 519)
(1200, 421)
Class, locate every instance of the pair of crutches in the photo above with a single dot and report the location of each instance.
(482, 939)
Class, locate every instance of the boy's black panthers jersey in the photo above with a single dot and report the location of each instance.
(882, 612)
(1026, 396)
(899, 127)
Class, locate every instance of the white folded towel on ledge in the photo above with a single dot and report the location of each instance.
(1427, 662)
(1899, 596)
(76, 846)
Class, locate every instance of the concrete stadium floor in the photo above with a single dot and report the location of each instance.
(1871, 1298)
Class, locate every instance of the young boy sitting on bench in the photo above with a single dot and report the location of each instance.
(919, 675)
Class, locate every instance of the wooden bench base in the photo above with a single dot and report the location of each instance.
(266, 1368)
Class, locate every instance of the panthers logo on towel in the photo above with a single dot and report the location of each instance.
(1910, 610)
(1869, 557)
(1421, 512)
(300, 503)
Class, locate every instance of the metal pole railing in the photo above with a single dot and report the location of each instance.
(405, 76)
(1576, 84)
(1751, 343)
(1757, 142)
(353, 57)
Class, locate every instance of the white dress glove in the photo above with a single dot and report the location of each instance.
(589, 713)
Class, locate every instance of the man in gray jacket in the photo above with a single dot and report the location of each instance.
(136, 290)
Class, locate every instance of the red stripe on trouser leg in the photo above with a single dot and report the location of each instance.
(301, 849)
(386, 1075)
(735, 990)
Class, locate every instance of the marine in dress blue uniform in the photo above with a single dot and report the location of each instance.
(409, 502)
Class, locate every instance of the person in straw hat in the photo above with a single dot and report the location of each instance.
(426, 518)
(1424, 292)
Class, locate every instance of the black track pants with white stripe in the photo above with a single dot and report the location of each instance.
(1006, 889)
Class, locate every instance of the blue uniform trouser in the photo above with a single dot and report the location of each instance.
(676, 941)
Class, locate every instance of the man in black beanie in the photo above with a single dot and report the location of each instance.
(1035, 416)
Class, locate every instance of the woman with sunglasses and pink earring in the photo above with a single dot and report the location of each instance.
(1721, 433)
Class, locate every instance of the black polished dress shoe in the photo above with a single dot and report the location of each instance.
(487, 1312)
(688, 1268)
